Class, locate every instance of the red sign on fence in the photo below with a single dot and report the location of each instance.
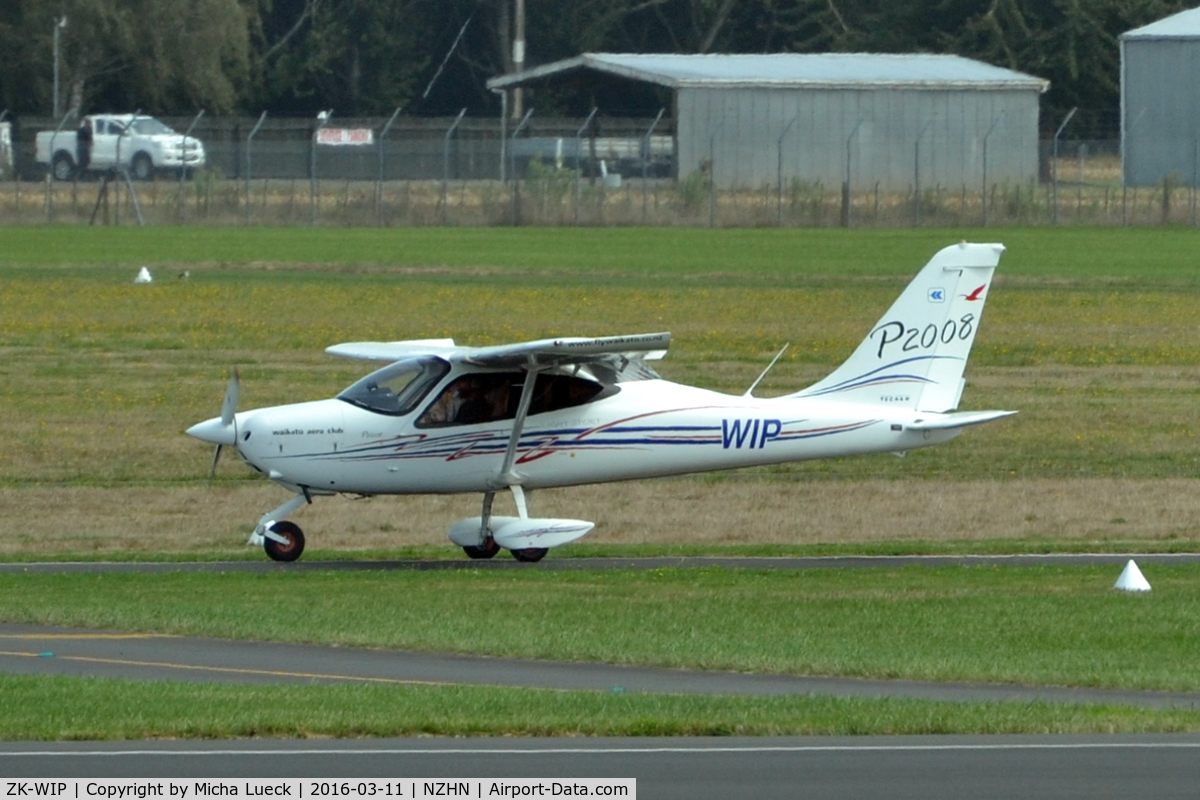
(345, 136)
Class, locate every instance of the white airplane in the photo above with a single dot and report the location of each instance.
(442, 418)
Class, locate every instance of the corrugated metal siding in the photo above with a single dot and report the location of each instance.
(1160, 101)
(739, 129)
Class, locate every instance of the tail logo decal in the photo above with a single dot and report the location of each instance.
(912, 339)
(975, 295)
(937, 295)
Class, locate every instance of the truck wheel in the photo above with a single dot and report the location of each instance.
(143, 167)
(63, 166)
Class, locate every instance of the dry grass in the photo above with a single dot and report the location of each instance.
(734, 510)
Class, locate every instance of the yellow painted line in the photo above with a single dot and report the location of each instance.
(84, 636)
(233, 670)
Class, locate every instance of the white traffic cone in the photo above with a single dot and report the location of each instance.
(1132, 580)
(143, 276)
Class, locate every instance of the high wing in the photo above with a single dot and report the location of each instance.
(610, 359)
(393, 351)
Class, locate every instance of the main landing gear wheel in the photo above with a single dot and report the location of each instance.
(530, 554)
(285, 552)
(486, 550)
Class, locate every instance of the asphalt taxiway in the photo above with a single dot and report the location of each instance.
(39, 650)
(26, 649)
(814, 768)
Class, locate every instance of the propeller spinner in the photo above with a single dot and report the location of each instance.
(220, 430)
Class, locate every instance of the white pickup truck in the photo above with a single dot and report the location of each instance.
(143, 145)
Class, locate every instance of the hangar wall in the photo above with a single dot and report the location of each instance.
(1160, 110)
(740, 129)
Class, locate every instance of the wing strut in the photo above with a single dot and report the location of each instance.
(506, 478)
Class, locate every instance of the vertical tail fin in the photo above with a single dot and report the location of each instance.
(915, 355)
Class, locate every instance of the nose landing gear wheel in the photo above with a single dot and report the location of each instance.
(486, 550)
(295, 544)
(530, 554)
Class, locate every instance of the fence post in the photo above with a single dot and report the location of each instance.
(249, 174)
(578, 151)
(181, 198)
(984, 196)
(446, 164)
(1192, 194)
(712, 174)
(846, 184)
(646, 161)
(779, 170)
(379, 182)
(119, 170)
(12, 165)
(1080, 153)
(503, 134)
(516, 181)
(1054, 166)
(53, 150)
(917, 176)
(322, 121)
(12, 155)
(712, 180)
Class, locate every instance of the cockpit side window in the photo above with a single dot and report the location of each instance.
(491, 396)
(397, 389)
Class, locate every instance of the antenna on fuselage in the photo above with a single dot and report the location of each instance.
(750, 391)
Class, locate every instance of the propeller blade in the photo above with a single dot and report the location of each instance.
(212, 473)
(229, 405)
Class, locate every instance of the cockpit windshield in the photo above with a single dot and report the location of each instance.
(397, 389)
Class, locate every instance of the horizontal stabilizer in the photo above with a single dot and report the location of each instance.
(964, 419)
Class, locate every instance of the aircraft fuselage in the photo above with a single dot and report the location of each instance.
(648, 429)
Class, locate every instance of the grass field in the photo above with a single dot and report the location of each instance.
(1003, 625)
(90, 709)
(1091, 334)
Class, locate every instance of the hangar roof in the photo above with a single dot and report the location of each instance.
(1184, 25)
(789, 70)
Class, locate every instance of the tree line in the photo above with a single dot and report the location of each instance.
(432, 57)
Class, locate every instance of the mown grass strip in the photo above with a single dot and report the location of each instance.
(1138, 255)
(56, 708)
(1038, 625)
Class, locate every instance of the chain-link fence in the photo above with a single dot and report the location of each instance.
(552, 171)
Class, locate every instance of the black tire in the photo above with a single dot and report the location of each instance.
(530, 554)
(486, 550)
(142, 167)
(285, 552)
(63, 166)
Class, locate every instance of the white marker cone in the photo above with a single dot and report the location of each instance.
(143, 276)
(1132, 580)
